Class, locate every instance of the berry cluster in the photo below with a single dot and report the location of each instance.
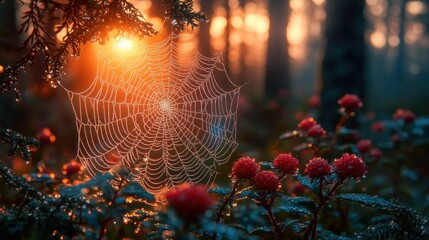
(318, 168)
(246, 168)
(310, 126)
(406, 115)
(350, 166)
(189, 202)
(350, 102)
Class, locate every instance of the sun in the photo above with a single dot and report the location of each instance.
(124, 44)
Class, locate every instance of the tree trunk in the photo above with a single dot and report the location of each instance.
(401, 56)
(277, 75)
(204, 29)
(343, 61)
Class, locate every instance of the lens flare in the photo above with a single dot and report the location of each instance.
(124, 44)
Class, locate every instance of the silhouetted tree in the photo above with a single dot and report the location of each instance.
(343, 61)
(277, 78)
(204, 29)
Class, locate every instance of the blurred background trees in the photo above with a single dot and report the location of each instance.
(286, 51)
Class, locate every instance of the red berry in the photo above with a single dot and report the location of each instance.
(377, 127)
(314, 101)
(404, 114)
(286, 163)
(189, 201)
(72, 168)
(317, 168)
(376, 153)
(266, 181)
(350, 102)
(350, 166)
(316, 131)
(46, 136)
(364, 145)
(307, 123)
(245, 168)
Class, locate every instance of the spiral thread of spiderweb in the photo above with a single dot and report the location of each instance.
(163, 110)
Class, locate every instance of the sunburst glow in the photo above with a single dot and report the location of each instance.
(124, 44)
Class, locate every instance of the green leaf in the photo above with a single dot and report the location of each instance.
(299, 226)
(135, 190)
(368, 200)
(348, 131)
(261, 230)
(292, 210)
(312, 184)
(289, 134)
(247, 193)
(303, 202)
(301, 147)
(382, 219)
(422, 122)
(220, 190)
(288, 222)
(267, 165)
(328, 235)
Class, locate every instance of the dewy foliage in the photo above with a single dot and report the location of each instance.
(19, 145)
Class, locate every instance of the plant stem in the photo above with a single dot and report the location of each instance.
(312, 227)
(225, 202)
(343, 120)
(276, 226)
(227, 199)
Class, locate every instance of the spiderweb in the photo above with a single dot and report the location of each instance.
(160, 110)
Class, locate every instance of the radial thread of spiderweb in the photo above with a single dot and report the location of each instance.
(161, 111)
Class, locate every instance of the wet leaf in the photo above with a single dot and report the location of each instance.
(328, 235)
(267, 165)
(312, 184)
(371, 201)
(301, 202)
(289, 134)
(261, 230)
(220, 190)
(299, 226)
(292, 210)
(134, 189)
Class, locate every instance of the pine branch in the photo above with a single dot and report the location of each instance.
(8, 177)
(19, 145)
(82, 22)
(181, 13)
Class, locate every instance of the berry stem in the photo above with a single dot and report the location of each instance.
(312, 227)
(316, 148)
(343, 120)
(276, 226)
(226, 200)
